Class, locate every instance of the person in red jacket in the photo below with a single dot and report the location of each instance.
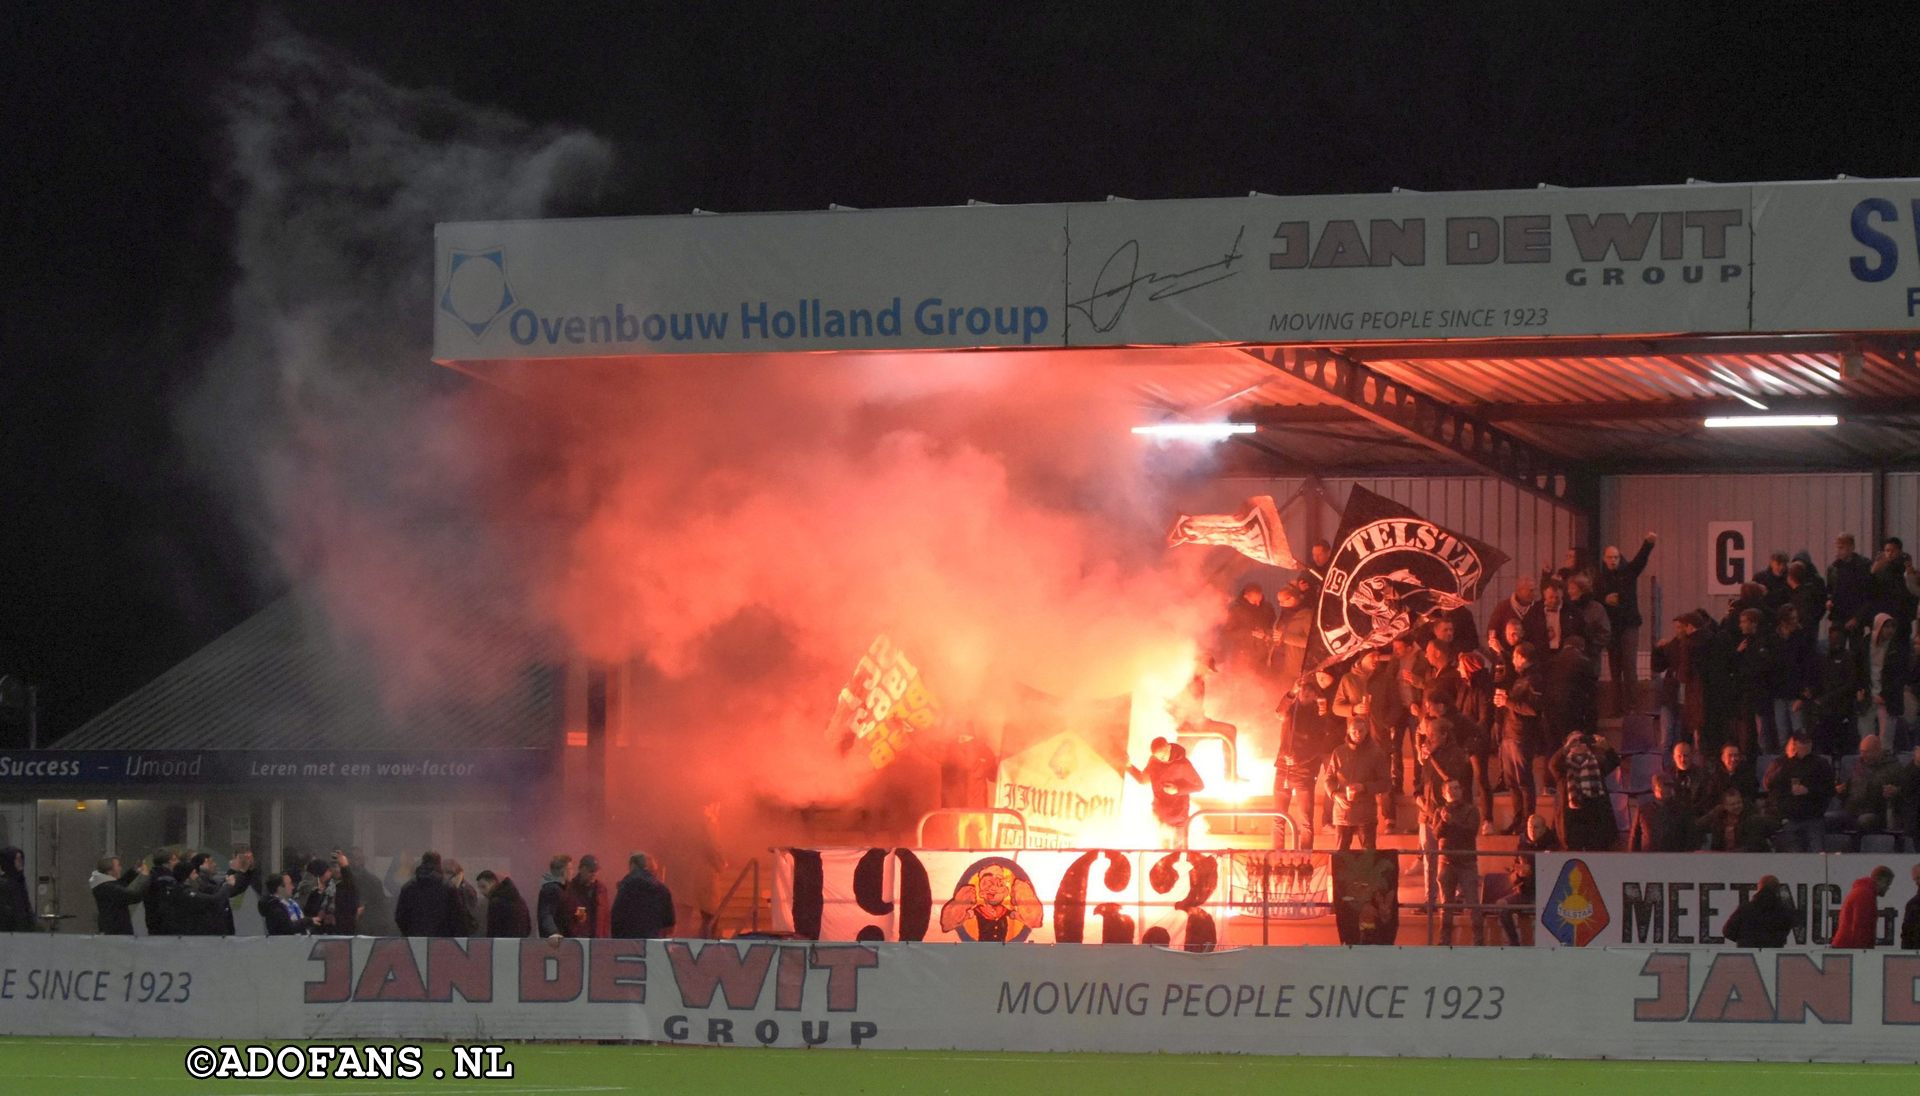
(1860, 913)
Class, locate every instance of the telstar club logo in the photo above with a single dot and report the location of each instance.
(1575, 913)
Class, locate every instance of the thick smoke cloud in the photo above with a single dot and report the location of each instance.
(727, 535)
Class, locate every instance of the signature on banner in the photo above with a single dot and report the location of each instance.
(884, 704)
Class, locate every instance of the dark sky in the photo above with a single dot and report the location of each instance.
(116, 560)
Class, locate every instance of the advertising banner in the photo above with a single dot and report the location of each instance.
(40, 768)
(1702, 259)
(1836, 256)
(1487, 1003)
(1684, 899)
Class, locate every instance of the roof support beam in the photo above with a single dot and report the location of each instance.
(1621, 410)
(1419, 417)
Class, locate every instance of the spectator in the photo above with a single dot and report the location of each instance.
(200, 901)
(1309, 733)
(1793, 674)
(1319, 558)
(1556, 621)
(473, 910)
(1518, 703)
(1356, 774)
(160, 907)
(1849, 582)
(1910, 920)
(1799, 790)
(1588, 618)
(1581, 766)
(1692, 783)
(1874, 792)
(1735, 826)
(1885, 679)
(376, 902)
(1765, 919)
(507, 916)
(1907, 806)
(1838, 692)
(1457, 824)
(16, 898)
(1685, 655)
(1617, 588)
(1371, 690)
(1666, 823)
(1859, 925)
(115, 894)
(1246, 638)
(1173, 780)
(1522, 877)
(1890, 570)
(1807, 592)
(1439, 674)
(428, 905)
(642, 906)
(1752, 675)
(282, 913)
(329, 896)
(1441, 753)
(1774, 578)
(1734, 774)
(1572, 703)
(555, 900)
(1521, 607)
(590, 895)
(1476, 718)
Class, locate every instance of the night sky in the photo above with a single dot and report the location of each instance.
(117, 559)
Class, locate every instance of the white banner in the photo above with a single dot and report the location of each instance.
(1381, 267)
(1684, 899)
(1836, 256)
(1486, 1003)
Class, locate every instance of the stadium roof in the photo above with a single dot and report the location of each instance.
(283, 680)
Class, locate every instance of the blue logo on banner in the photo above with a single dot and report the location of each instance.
(477, 291)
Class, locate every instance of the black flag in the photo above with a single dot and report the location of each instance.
(1392, 570)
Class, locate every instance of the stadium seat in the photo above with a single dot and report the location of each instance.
(1849, 765)
(1879, 842)
(1640, 733)
(1838, 842)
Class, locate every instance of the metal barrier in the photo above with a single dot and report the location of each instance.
(711, 930)
(920, 831)
(1292, 827)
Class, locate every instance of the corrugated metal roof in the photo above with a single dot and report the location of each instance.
(284, 680)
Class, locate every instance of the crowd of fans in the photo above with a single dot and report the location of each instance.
(1775, 733)
(188, 894)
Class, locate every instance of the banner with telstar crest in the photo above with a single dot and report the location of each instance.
(1392, 570)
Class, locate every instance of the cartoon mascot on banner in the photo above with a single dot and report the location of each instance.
(994, 903)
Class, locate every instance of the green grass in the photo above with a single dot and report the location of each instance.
(151, 1067)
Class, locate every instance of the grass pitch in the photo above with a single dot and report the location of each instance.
(152, 1067)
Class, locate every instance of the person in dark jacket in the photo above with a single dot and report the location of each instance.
(589, 899)
(1477, 717)
(1736, 825)
(1793, 674)
(1666, 823)
(201, 901)
(1356, 774)
(330, 896)
(1518, 702)
(283, 915)
(16, 898)
(1889, 570)
(1765, 919)
(1173, 780)
(507, 916)
(555, 915)
(1807, 592)
(1692, 781)
(1735, 772)
(1751, 672)
(115, 893)
(1799, 789)
(1774, 578)
(1310, 730)
(428, 904)
(1837, 694)
(1849, 582)
(1246, 638)
(1572, 703)
(376, 904)
(1617, 589)
(160, 907)
(643, 906)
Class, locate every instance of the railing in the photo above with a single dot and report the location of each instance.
(920, 832)
(711, 929)
(1292, 827)
(1227, 748)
